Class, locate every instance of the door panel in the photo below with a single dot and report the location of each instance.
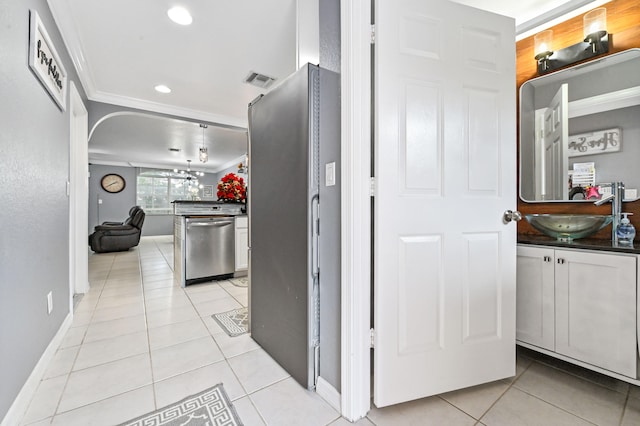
(556, 137)
(445, 169)
(421, 156)
(481, 288)
(420, 290)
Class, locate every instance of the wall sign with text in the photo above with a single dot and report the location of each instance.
(597, 142)
(45, 62)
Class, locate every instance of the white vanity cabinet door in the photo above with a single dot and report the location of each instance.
(535, 321)
(242, 244)
(596, 309)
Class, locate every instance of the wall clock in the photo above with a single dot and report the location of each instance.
(112, 183)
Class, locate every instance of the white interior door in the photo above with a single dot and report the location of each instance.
(556, 138)
(445, 167)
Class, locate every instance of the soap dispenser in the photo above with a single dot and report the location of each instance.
(625, 232)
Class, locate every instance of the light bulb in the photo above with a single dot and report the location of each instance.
(594, 22)
(542, 43)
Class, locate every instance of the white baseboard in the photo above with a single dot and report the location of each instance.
(21, 403)
(329, 394)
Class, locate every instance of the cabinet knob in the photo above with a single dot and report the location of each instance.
(561, 261)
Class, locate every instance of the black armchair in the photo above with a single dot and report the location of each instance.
(132, 213)
(118, 236)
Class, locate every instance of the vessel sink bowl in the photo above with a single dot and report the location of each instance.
(567, 227)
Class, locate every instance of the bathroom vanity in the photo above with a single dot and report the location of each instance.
(578, 302)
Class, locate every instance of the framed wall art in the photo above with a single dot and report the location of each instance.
(45, 62)
(598, 142)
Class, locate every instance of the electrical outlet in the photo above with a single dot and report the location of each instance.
(49, 302)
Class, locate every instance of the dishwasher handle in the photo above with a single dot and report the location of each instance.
(212, 223)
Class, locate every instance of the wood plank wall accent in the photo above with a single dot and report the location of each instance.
(623, 25)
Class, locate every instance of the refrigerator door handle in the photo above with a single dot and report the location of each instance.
(315, 232)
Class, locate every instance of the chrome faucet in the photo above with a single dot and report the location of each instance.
(616, 196)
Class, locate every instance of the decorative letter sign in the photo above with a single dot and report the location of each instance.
(45, 62)
(597, 142)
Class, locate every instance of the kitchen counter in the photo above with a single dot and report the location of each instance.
(582, 243)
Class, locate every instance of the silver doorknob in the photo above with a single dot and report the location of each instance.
(511, 215)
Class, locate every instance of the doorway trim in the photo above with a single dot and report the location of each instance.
(78, 191)
(355, 18)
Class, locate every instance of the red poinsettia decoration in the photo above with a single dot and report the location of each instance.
(232, 188)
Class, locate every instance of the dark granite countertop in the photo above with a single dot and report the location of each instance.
(582, 243)
(198, 202)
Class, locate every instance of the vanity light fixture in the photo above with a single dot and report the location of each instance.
(596, 42)
(180, 15)
(204, 153)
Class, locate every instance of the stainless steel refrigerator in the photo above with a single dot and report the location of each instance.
(294, 224)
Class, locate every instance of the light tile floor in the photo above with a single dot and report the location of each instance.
(138, 342)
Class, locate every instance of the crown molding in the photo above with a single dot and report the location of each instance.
(61, 12)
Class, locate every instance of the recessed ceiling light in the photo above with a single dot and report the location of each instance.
(162, 88)
(180, 15)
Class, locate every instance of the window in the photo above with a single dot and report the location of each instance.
(157, 188)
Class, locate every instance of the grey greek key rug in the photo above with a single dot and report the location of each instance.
(235, 322)
(207, 408)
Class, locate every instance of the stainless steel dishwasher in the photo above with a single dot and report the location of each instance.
(210, 247)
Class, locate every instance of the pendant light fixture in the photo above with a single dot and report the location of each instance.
(190, 178)
(204, 154)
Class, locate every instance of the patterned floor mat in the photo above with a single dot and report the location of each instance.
(235, 322)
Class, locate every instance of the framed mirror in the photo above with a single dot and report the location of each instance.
(580, 130)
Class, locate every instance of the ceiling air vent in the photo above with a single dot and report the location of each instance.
(259, 80)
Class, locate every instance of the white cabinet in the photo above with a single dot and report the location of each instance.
(242, 243)
(596, 309)
(535, 306)
(579, 304)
